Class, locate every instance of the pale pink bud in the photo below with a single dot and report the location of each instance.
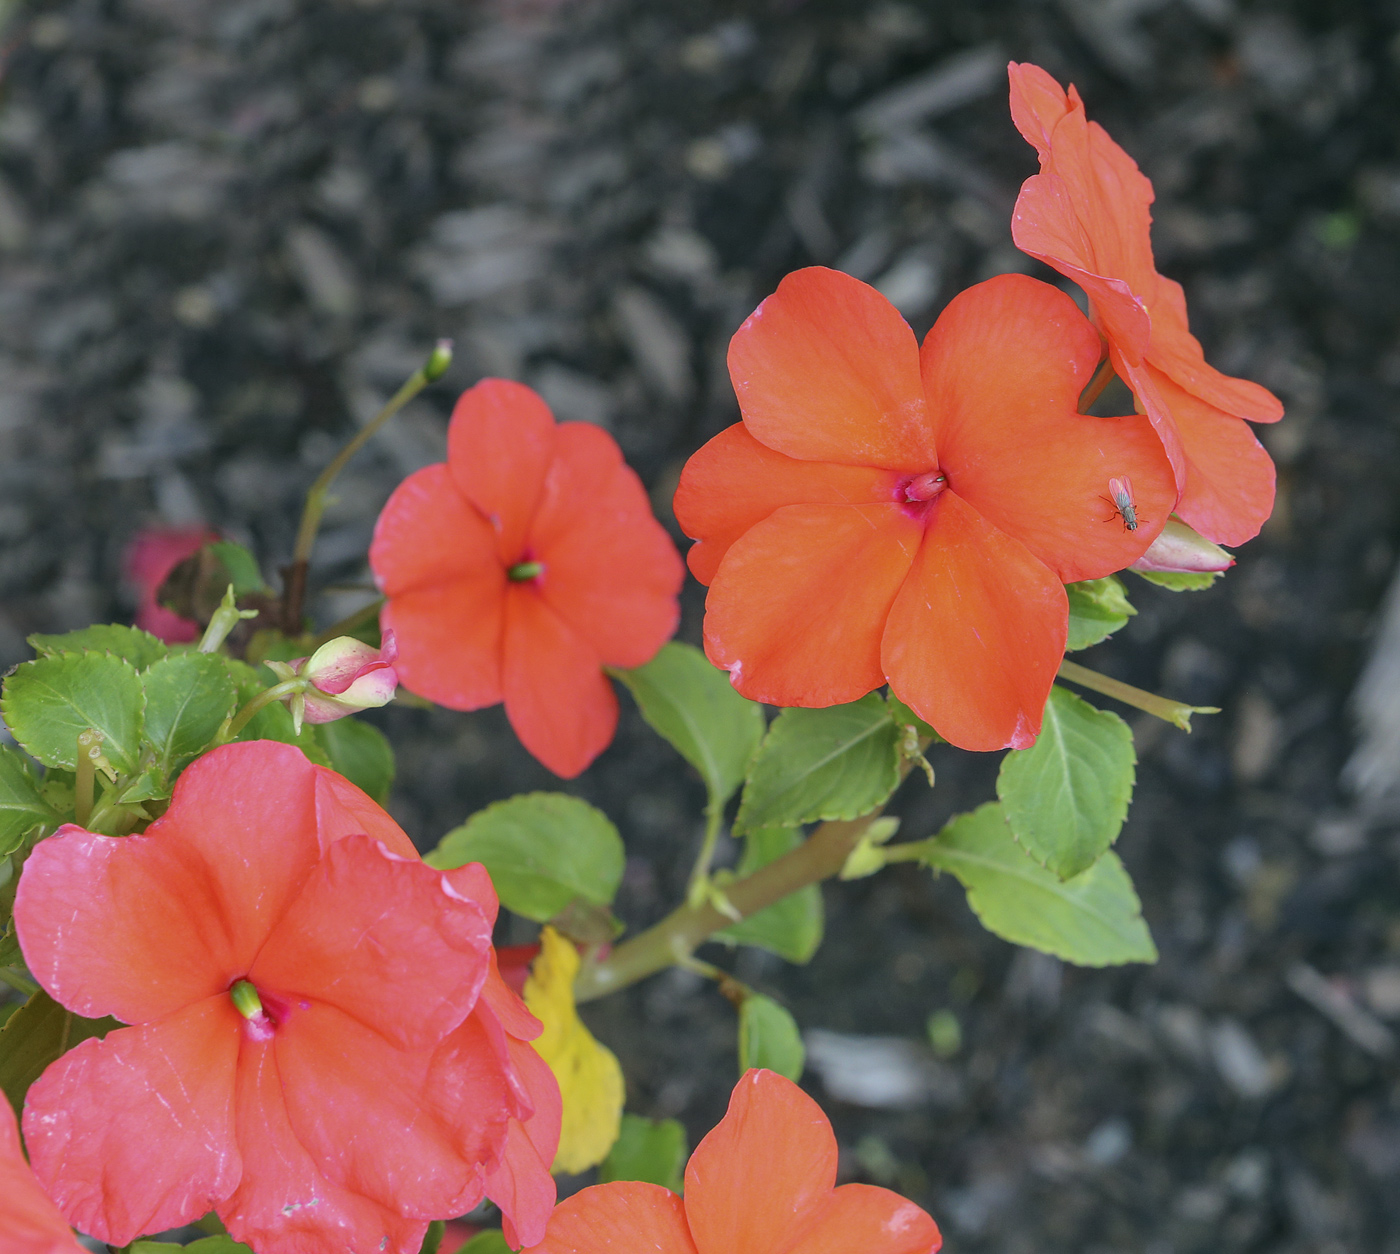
(346, 675)
(1180, 550)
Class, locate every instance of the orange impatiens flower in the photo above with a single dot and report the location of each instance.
(29, 1221)
(320, 1049)
(889, 514)
(1086, 214)
(762, 1182)
(523, 566)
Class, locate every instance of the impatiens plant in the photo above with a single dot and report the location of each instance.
(244, 1002)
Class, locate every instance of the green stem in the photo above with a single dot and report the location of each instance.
(287, 688)
(820, 857)
(1103, 376)
(316, 497)
(700, 873)
(85, 776)
(18, 981)
(348, 624)
(1174, 712)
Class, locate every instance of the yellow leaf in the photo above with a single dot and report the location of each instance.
(590, 1079)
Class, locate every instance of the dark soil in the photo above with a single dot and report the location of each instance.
(229, 228)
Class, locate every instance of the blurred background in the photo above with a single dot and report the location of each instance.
(230, 228)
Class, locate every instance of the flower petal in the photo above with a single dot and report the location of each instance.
(610, 570)
(499, 446)
(860, 1218)
(412, 973)
(344, 810)
(449, 638)
(363, 1110)
(428, 534)
(29, 1223)
(134, 1133)
(977, 632)
(1178, 354)
(507, 1006)
(624, 1217)
(1229, 488)
(557, 698)
(1003, 368)
(826, 370)
(139, 926)
(734, 482)
(762, 1172)
(284, 1203)
(520, 1183)
(798, 606)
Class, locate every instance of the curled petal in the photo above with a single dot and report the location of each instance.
(977, 632)
(796, 611)
(826, 370)
(134, 1133)
(339, 945)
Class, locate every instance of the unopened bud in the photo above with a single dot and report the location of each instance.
(343, 676)
(438, 361)
(1179, 549)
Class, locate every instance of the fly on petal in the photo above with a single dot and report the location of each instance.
(1121, 493)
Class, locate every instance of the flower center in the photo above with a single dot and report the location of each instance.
(246, 1000)
(264, 1012)
(522, 571)
(926, 486)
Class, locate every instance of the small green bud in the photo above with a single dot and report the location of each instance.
(438, 361)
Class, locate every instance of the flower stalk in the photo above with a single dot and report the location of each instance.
(1176, 713)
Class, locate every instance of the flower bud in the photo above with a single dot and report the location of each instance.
(1179, 549)
(344, 675)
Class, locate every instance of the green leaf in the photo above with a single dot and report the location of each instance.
(272, 722)
(542, 849)
(187, 699)
(651, 1150)
(22, 805)
(792, 926)
(1066, 797)
(769, 1037)
(432, 1239)
(692, 704)
(39, 1032)
(140, 648)
(1094, 919)
(837, 763)
(151, 785)
(1180, 580)
(905, 717)
(50, 702)
(205, 1245)
(360, 753)
(1097, 608)
(492, 1241)
(240, 566)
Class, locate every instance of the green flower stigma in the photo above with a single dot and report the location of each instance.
(522, 571)
(245, 999)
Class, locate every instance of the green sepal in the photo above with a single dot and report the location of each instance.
(1097, 608)
(792, 926)
(835, 763)
(542, 850)
(1093, 920)
(1180, 580)
(650, 1150)
(1066, 796)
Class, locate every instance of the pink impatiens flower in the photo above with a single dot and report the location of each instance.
(320, 1048)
